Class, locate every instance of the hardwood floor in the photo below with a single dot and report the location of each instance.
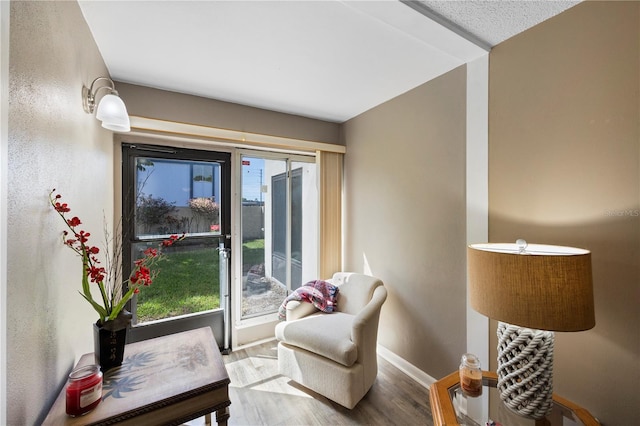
(261, 396)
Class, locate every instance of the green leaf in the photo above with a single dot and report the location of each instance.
(116, 310)
(101, 311)
(85, 278)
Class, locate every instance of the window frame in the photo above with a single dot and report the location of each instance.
(162, 327)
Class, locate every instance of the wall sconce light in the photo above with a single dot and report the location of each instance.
(111, 109)
(532, 290)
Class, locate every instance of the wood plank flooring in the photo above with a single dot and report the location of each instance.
(261, 396)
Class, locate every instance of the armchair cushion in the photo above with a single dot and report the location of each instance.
(326, 335)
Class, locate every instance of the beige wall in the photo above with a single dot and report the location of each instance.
(52, 143)
(161, 104)
(564, 146)
(405, 218)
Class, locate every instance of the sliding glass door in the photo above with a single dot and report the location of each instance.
(279, 228)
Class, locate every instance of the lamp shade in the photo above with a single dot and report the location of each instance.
(113, 113)
(543, 287)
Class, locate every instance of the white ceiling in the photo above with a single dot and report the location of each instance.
(328, 59)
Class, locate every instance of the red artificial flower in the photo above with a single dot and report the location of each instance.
(83, 236)
(142, 276)
(145, 275)
(62, 208)
(172, 239)
(93, 250)
(151, 252)
(97, 274)
(74, 221)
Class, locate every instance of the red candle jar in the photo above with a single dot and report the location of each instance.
(84, 390)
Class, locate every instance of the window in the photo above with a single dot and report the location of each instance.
(279, 229)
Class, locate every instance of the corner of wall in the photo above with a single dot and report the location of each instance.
(4, 135)
(477, 188)
(477, 193)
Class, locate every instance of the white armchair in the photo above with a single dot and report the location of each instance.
(334, 354)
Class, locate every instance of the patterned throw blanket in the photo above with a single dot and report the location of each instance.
(321, 294)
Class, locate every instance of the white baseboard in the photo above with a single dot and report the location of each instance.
(406, 367)
(254, 343)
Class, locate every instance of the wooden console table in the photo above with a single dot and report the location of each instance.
(167, 380)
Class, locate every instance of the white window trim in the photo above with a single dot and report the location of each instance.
(234, 138)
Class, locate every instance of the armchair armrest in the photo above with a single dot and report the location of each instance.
(365, 324)
(297, 309)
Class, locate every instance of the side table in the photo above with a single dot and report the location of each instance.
(447, 405)
(166, 380)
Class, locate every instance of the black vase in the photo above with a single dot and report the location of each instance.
(109, 340)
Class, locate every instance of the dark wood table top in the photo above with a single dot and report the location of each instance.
(169, 379)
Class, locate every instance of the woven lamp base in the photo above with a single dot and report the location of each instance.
(525, 370)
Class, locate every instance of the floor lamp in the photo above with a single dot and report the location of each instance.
(532, 290)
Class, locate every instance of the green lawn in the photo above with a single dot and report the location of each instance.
(188, 282)
(252, 254)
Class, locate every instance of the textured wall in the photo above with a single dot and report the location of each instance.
(564, 146)
(172, 106)
(405, 218)
(52, 143)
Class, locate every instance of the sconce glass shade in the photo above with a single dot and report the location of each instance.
(111, 109)
(113, 113)
(541, 287)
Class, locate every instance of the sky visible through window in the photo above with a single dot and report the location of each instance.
(252, 178)
(171, 180)
(177, 181)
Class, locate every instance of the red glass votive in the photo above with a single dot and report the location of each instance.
(84, 390)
